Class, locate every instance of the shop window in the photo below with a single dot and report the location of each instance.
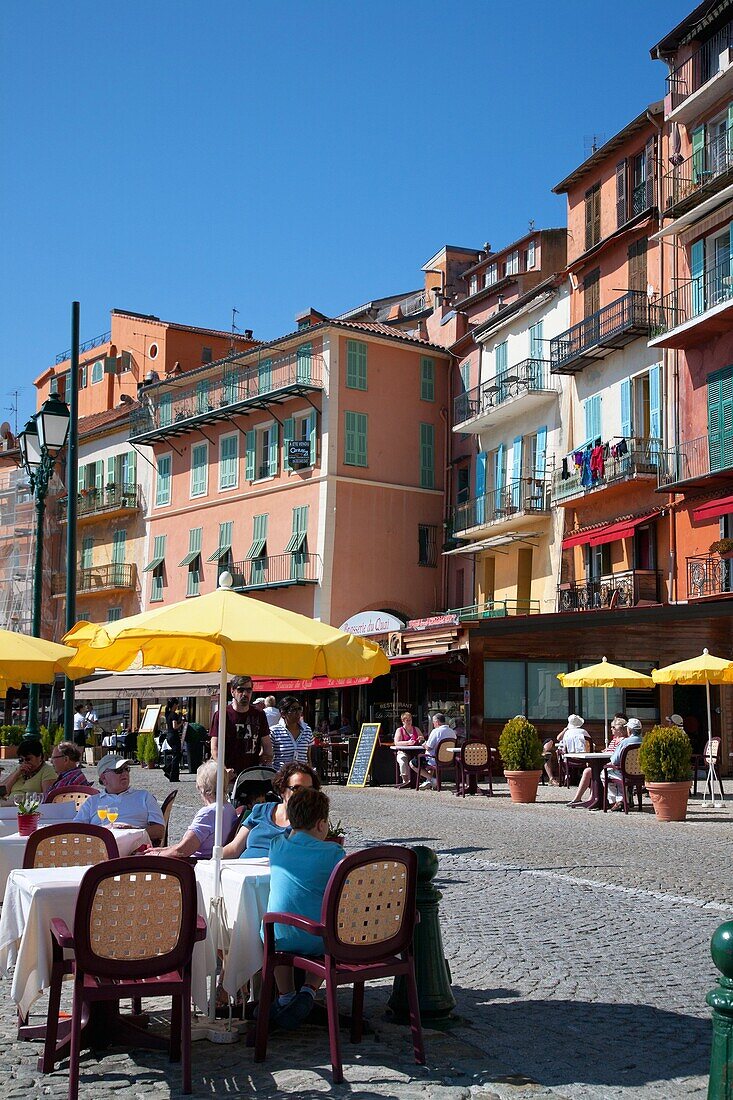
(546, 698)
(504, 689)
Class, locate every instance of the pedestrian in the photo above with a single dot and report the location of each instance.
(272, 713)
(247, 741)
(79, 735)
(172, 744)
(292, 737)
(194, 738)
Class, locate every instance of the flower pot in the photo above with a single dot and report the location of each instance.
(669, 800)
(8, 752)
(523, 785)
(336, 840)
(27, 823)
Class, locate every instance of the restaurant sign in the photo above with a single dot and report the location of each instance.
(371, 622)
(434, 622)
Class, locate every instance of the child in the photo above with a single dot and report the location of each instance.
(300, 867)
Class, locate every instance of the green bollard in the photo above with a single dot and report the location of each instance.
(431, 967)
(720, 1000)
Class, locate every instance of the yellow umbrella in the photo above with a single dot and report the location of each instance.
(705, 669)
(605, 675)
(31, 660)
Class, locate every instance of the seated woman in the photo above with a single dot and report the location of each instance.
(34, 775)
(198, 840)
(572, 739)
(618, 733)
(66, 762)
(268, 820)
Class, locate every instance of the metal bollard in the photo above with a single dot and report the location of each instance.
(720, 999)
(431, 967)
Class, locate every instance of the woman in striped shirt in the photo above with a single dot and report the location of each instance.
(291, 736)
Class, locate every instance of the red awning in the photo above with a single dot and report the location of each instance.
(417, 657)
(318, 683)
(712, 508)
(624, 529)
(579, 539)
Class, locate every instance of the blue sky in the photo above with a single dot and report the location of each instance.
(182, 158)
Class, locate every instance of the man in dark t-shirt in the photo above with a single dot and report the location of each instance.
(247, 742)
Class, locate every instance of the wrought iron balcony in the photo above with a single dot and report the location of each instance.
(624, 589)
(701, 67)
(701, 175)
(641, 459)
(260, 385)
(495, 609)
(113, 499)
(697, 463)
(602, 332)
(708, 575)
(276, 571)
(98, 578)
(531, 377)
(523, 496)
(695, 310)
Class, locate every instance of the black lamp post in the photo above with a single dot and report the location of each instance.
(39, 443)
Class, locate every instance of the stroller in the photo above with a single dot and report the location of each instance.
(253, 785)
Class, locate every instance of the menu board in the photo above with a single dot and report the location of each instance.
(363, 753)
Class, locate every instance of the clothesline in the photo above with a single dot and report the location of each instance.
(591, 458)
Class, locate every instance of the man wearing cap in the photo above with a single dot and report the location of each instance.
(247, 742)
(137, 809)
(676, 720)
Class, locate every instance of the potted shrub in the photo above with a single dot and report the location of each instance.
(29, 812)
(521, 753)
(664, 758)
(150, 751)
(10, 738)
(723, 547)
(335, 833)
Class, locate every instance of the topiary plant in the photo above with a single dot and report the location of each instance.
(520, 746)
(665, 755)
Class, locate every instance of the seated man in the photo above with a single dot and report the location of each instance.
(634, 735)
(425, 765)
(66, 762)
(136, 809)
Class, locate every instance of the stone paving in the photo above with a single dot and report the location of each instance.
(578, 947)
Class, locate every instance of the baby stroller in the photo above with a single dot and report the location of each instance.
(253, 785)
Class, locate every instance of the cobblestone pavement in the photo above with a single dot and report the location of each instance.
(578, 947)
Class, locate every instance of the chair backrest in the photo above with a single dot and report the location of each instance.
(444, 755)
(474, 754)
(369, 904)
(712, 750)
(629, 762)
(75, 793)
(69, 844)
(135, 917)
(166, 809)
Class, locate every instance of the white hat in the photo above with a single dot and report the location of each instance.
(633, 725)
(675, 719)
(575, 720)
(113, 763)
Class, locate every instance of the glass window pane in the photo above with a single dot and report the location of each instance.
(547, 698)
(504, 689)
(591, 702)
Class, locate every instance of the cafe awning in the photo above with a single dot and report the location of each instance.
(711, 509)
(176, 684)
(598, 536)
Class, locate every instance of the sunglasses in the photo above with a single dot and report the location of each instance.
(298, 787)
(241, 690)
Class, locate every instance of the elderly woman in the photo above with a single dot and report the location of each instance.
(270, 819)
(291, 736)
(66, 762)
(572, 739)
(33, 775)
(618, 733)
(198, 840)
(406, 734)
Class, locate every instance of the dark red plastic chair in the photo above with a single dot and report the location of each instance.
(474, 761)
(77, 793)
(69, 844)
(367, 925)
(632, 777)
(135, 927)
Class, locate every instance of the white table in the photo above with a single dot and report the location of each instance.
(12, 849)
(51, 812)
(245, 888)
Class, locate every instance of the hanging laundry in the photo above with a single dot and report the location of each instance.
(578, 458)
(586, 475)
(565, 471)
(597, 467)
(621, 448)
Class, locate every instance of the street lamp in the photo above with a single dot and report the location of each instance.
(39, 443)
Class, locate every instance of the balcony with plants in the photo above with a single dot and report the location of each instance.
(519, 499)
(695, 311)
(98, 579)
(702, 79)
(596, 336)
(510, 392)
(113, 500)
(703, 174)
(626, 588)
(627, 460)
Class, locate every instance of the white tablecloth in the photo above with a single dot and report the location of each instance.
(245, 887)
(50, 813)
(12, 849)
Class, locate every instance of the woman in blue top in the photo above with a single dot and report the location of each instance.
(268, 820)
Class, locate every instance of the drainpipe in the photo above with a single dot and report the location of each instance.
(448, 480)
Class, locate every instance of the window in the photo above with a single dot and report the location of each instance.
(500, 357)
(97, 371)
(463, 484)
(228, 461)
(427, 456)
(297, 545)
(427, 544)
(264, 376)
(206, 355)
(230, 387)
(165, 410)
(504, 689)
(466, 375)
(202, 397)
(511, 266)
(591, 295)
(720, 419)
(257, 553)
(427, 379)
(223, 552)
(530, 256)
(113, 614)
(304, 358)
(473, 285)
(491, 274)
(266, 452)
(153, 351)
(545, 696)
(199, 469)
(621, 194)
(163, 481)
(119, 543)
(637, 265)
(593, 216)
(193, 561)
(638, 194)
(87, 552)
(356, 365)
(355, 439)
(592, 413)
(536, 341)
(155, 566)
(83, 377)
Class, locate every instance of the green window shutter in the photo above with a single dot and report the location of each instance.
(229, 458)
(273, 451)
(592, 408)
(303, 359)
(249, 472)
(288, 434)
(427, 379)
(300, 529)
(356, 365)
(87, 552)
(156, 586)
(81, 478)
(199, 463)
(110, 470)
(264, 376)
(720, 420)
(655, 401)
(697, 271)
(158, 554)
(202, 397)
(259, 537)
(312, 426)
(536, 341)
(621, 201)
(165, 410)
(355, 439)
(427, 456)
(119, 539)
(99, 475)
(163, 481)
(130, 476)
(698, 153)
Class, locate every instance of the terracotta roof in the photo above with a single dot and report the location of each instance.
(88, 425)
(605, 522)
(635, 126)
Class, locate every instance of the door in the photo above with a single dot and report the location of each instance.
(524, 580)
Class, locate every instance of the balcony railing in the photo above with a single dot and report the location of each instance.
(98, 578)
(701, 67)
(692, 299)
(112, 498)
(598, 335)
(708, 575)
(276, 571)
(495, 609)
(638, 458)
(624, 589)
(176, 411)
(697, 460)
(95, 342)
(704, 173)
(531, 375)
(527, 495)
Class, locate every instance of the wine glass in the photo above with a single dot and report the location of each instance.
(102, 814)
(112, 814)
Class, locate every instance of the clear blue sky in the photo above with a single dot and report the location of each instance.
(181, 158)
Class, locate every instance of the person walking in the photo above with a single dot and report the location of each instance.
(247, 740)
(292, 737)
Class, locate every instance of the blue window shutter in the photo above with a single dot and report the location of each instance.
(272, 466)
(499, 476)
(626, 408)
(536, 341)
(288, 434)
(501, 357)
(250, 457)
(541, 453)
(312, 427)
(516, 472)
(655, 402)
(481, 486)
(697, 271)
(588, 412)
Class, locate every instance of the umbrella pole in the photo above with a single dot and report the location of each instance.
(216, 853)
(711, 776)
(605, 711)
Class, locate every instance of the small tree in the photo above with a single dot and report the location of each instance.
(520, 746)
(665, 755)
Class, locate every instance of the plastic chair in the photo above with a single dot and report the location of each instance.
(166, 809)
(444, 760)
(135, 927)
(367, 924)
(568, 769)
(631, 777)
(69, 844)
(702, 760)
(474, 760)
(75, 792)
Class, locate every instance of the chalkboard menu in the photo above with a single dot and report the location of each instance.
(363, 753)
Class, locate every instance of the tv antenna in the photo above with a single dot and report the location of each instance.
(13, 409)
(235, 330)
(592, 143)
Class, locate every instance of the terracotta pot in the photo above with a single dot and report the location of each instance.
(336, 840)
(8, 752)
(28, 823)
(669, 800)
(523, 785)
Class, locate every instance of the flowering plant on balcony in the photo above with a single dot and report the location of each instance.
(724, 547)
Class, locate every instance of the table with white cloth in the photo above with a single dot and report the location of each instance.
(12, 848)
(51, 813)
(245, 888)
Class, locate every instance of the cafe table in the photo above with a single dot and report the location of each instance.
(51, 813)
(245, 888)
(595, 761)
(12, 848)
(412, 751)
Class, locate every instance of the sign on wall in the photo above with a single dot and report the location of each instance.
(299, 453)
(371, 622)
